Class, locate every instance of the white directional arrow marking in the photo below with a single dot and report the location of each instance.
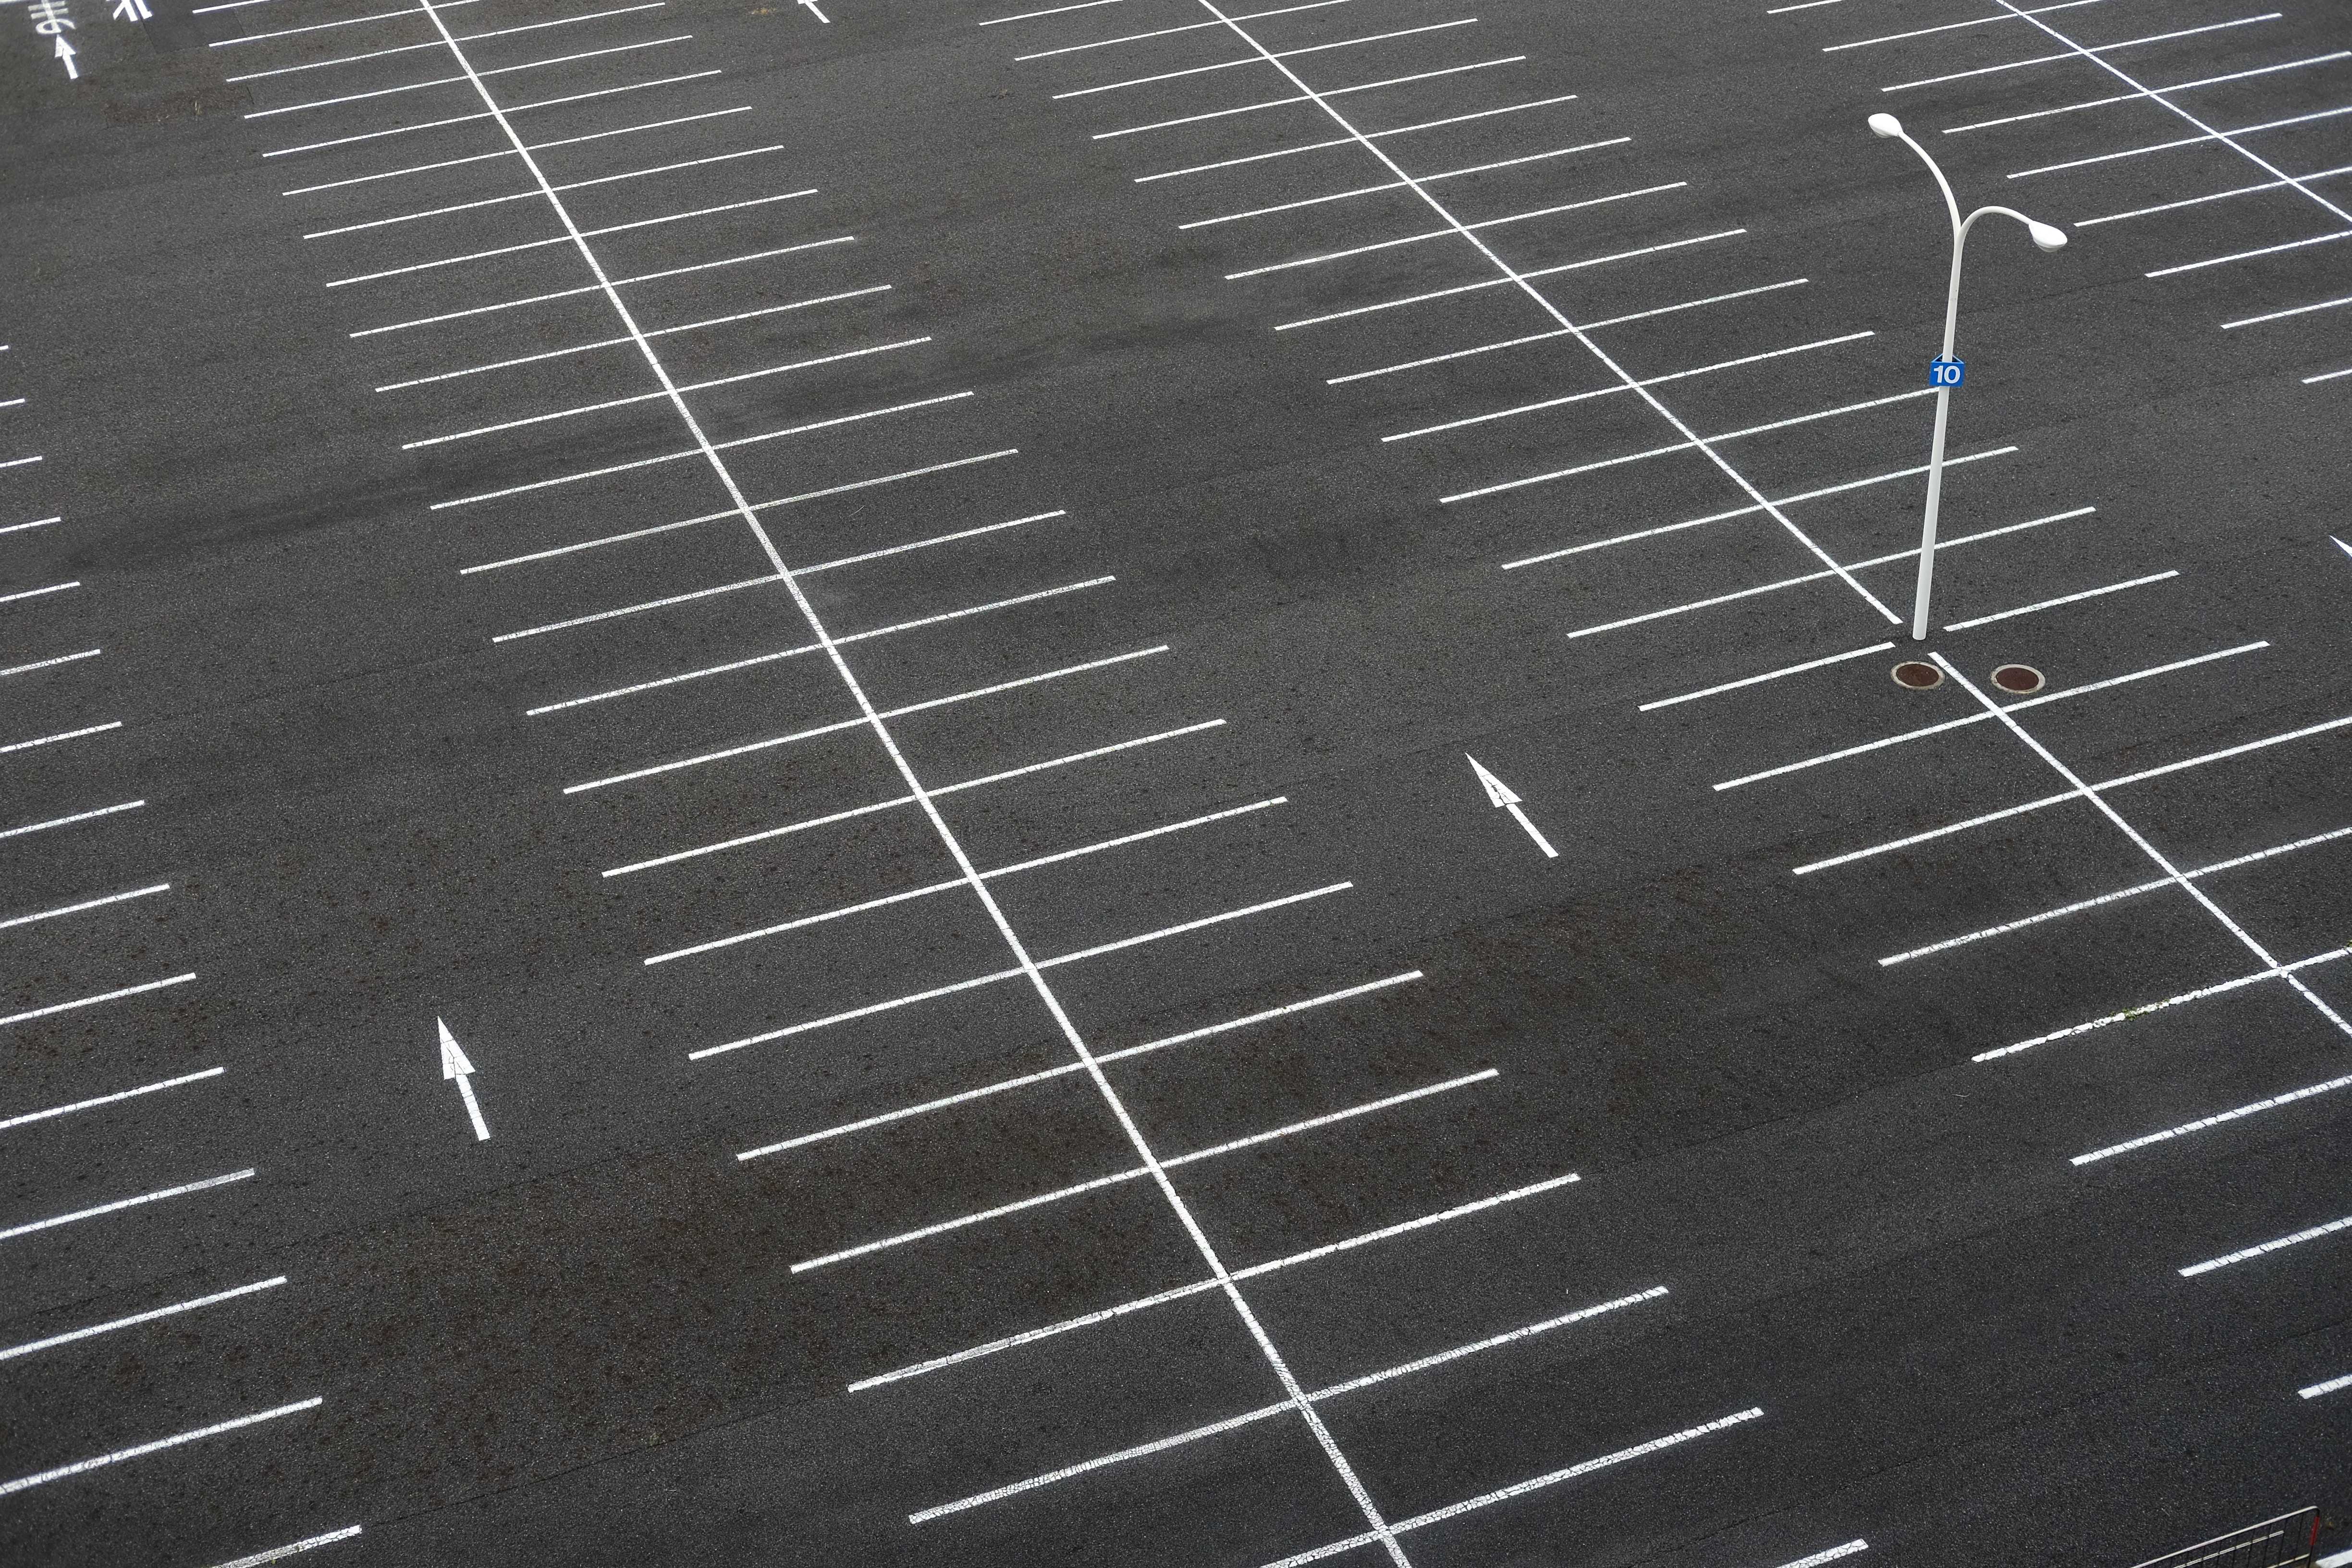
(66, 53)
(454, 1065)
(1505, 796)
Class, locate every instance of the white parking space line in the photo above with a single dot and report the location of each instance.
(10, 1352)
(532, 196)
(2214, 196)
(2064, 599)
(665, 602)
(1197, 1433)
(2144, 92)
(1064, 1069)
(18, 463)
(1305, 98)
(1537, 408)
(2079, 51)
(2136, 890)
(436, 43)
(2267, 1248)
(1450, 231)
(1508, 282)
(1697, 443)
(76, 908)
(28, 527)
(1521, 1489)
(121, 1203)
(2290, 1097)
(2250, 255)
(1115, 1178)
(1200, 1287)
(2180, 142)
(1768, 675)
(821, 566)
(67, 821)
(1981, 715)
(1253, 60)
(215, 1429)
(565, 239)
(756, 660)
(2090, 792)
(2326, 375)
(703, 325)
(2335, 304)
(1166, 32)
(42, 592)
(894, 1003)
(451, 80)
(470, 118)
(536, 147)
(1049, 11)
(279, 1553)
(1349, 142)
(50, 663)
(85, 730)
(1399, 185)
(1945, 28)
(2315, 1392)
(771, 741)
(1832, 1556)
(93, 1103)
(318, 26)
(933, 542)
(894, 801)
(2275, 971)
(82, 1002)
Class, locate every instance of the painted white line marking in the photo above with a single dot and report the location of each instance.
(91, 1104)
(2329, 375)
(1574, 397)
(757, 659)
(1947, 28)
(468, 119)
(2178, 141)
(1165, 32)
(456, 1067)
(564, 239)
(702, 325)
(736, 379)
(451, 80)
(65, 821)
(20, 462)
(50, 663)
(1349, 142)
(218, 1427)
(1063, 1069)
(1768, 675)
(2249, 255)
(1399, 185)
(2134, 891)
(2079, 51)
(28, 1015)
(315, 26)
(61, 735)
(1737, 594)
(2158, 92)
(1801, 6)
(663, 603)
(10, 1352)
(935, 539)
(1049, 11)
(85, 904)
(2090, 792)
(1137, 1172)
(2264, 1249)
(28, 527)
(895, 801)
(1265, 1412)
(1521, 1489)
(534, 195)
(1617, 538)
(2066, 599)
(307, 1543)
(1255, 59)
(434, 44)
(1122, 840)
(1507, 282)
(1446, 358)
(119, 1204)
(2216, 1119)
(1200, 1287)
(2213, 197)
(2275, 971)
(1452, 230)
(1306, 98)
(1504, 796)
(2335, 304)
(508, 153)
(821, 566)
(2314, 1391)
(1697, 443)
(1981, 715)
(1832, 1556)
(37, 593)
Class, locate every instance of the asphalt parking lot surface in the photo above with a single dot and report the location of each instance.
(1119, 783)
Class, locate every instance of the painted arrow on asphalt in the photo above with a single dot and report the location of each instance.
(454, 1065)
(1507, 798)
(66, 53)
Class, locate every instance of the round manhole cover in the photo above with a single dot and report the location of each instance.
(2019, 679)
(1919, 675)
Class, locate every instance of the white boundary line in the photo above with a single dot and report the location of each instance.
(119, 1204)
(2263, 1249)
(307, 1543)
(93, 1103)
(12, 1351)
(80, 1002)
(2235, 1113)
(82, 1465)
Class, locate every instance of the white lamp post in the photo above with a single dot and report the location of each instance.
(1947, 372)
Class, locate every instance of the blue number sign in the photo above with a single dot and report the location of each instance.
(1947, 372)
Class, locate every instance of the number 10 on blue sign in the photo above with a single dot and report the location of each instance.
(1946, 371)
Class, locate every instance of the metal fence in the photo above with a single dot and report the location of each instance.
(2289, 1540)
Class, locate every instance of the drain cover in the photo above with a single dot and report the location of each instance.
(1919, 675)
(2017, 679)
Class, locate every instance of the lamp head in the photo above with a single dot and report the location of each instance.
(1885, 125)
(2045, 236)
